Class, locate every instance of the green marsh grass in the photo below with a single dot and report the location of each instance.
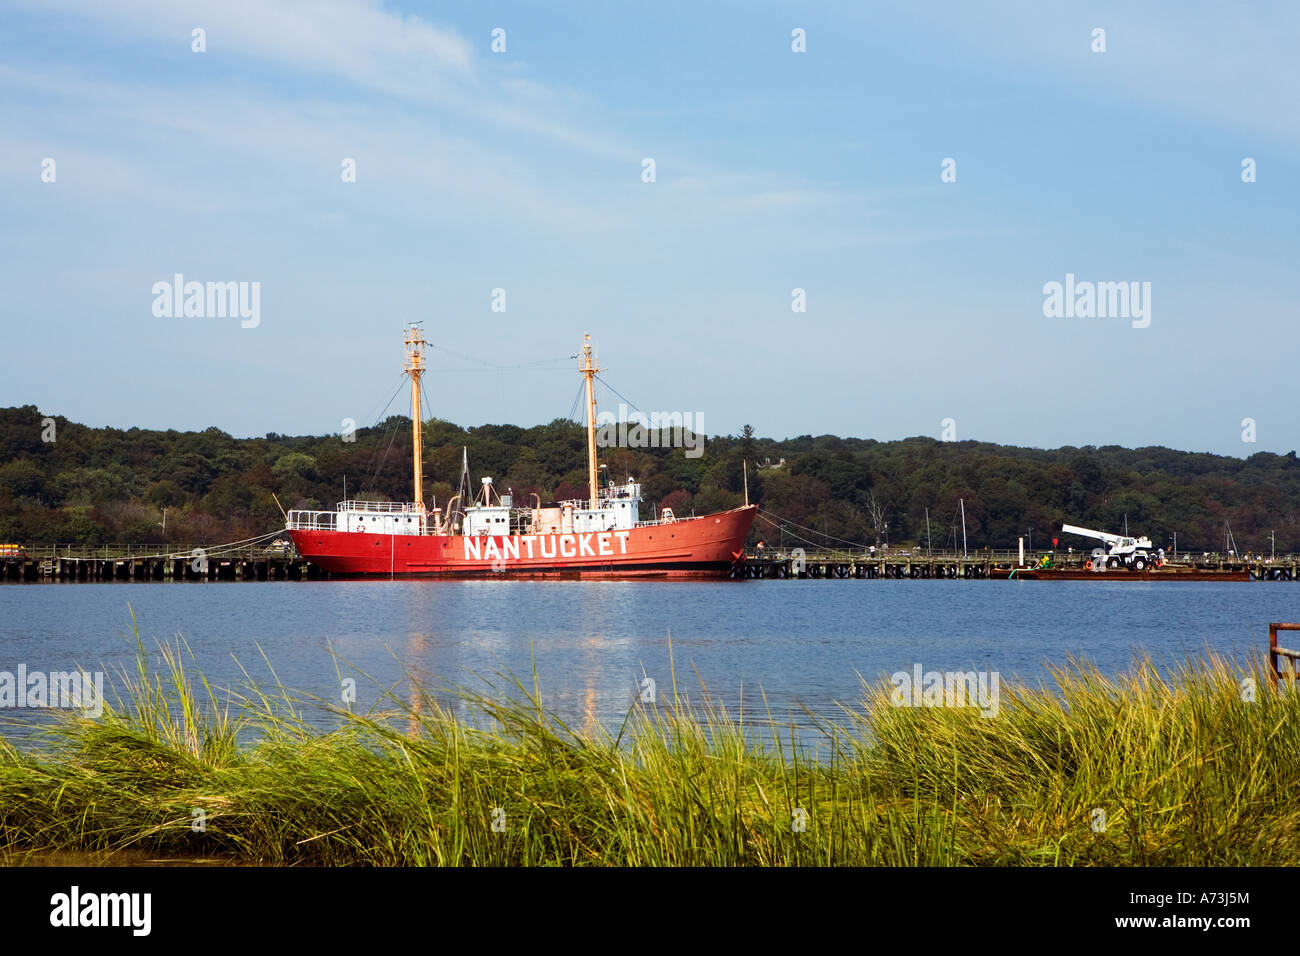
(1185, 771)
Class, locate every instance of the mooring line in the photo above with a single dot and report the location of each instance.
(830, 537)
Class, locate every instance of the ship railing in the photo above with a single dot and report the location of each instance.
(658, 521)
(161, 551)
(603, 502)
(312, 520)
(617, 493)
(894, 555)
(383, 507)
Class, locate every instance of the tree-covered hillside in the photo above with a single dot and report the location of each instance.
(108, 485)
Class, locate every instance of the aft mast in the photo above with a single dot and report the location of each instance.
(415, 368)
(589, 370)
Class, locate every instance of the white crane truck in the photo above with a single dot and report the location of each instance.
(1136, 554)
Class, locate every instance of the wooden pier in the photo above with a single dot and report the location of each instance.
(997, 565)
(154, 563)
(259, 563)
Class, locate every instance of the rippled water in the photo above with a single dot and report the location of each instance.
(798, 643)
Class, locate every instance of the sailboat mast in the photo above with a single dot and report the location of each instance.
(415, 368)
(589, 370)
(963, 526)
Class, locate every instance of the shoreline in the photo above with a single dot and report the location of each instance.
(1187, 769)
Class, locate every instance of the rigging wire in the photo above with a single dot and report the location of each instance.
(377, 460)
(216, 549)
(618, 393)
(373, 475)
(372, 467)
(401, 380)
(489, 365)
(762, 517)
(234, 545)
(829, 537)
(577, 401)
(424, 397)
(507, 368)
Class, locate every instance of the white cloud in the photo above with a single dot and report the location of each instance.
(400, 157)
(355, 39)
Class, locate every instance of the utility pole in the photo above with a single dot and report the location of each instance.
(927, 530)
(1272, 539)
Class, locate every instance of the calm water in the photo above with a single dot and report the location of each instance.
(801, 643)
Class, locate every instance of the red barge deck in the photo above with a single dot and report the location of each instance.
(1048, 574)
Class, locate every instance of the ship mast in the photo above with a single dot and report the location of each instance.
(415, 368)
(589, 370)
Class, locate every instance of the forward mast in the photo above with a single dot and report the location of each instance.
(415, 368)
(589, 370)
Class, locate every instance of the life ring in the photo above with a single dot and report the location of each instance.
(1087, 566)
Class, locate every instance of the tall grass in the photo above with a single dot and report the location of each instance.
(1185, 771)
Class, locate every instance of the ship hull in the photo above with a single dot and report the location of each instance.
(704, 547)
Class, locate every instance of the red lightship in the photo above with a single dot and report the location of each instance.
(601, 536)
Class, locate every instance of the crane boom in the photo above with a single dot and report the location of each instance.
(1090, 533)
(1136, 554)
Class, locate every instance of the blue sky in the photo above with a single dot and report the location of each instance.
(775, 170)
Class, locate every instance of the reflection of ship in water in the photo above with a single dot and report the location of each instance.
(599, 536)
(416, 648)
(574, 691)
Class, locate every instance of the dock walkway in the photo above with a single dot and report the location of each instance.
(989, 564)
